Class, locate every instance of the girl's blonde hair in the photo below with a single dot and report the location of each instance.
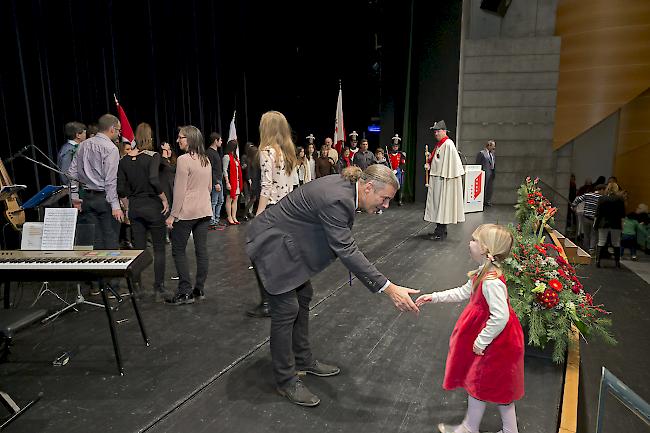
(275, 133)
(496, 241)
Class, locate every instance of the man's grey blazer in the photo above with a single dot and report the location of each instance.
(305, 232)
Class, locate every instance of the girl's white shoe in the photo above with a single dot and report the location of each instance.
(446, 428)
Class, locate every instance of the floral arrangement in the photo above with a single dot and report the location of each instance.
(531, 201)
(545, 291)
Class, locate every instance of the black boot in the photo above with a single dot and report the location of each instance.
(599, 255)
(617, 256)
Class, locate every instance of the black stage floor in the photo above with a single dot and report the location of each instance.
(627, 296)
(208, 368)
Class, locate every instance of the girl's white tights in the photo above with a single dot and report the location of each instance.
(475, 410)
(508, 418)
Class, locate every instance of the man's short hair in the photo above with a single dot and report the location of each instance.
(214, 137)
(106, 122)
(363, 140)
(600, 187)
(73, 128)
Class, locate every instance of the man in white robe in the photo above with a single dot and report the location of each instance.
(445, 195)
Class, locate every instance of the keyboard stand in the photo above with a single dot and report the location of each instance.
(111, 322)
(78, 300)
(45, 288)
(13, 268)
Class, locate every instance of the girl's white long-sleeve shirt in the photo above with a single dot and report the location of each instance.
(495, 294)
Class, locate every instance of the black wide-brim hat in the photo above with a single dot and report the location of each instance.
(439, 125)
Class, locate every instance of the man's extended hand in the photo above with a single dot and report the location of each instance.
(401, 297)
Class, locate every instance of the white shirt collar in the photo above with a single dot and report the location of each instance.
(356, 195)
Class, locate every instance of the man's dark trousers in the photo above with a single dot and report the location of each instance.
(290, 333)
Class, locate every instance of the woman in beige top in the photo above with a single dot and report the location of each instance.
(191, 213)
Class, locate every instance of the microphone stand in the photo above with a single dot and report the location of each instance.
(55, 170)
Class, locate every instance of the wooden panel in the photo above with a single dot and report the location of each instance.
(604, 61)
(575, 16)
(633, 151)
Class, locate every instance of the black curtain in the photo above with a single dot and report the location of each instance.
(177, 62)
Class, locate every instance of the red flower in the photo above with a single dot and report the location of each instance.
(548, 299)
(540, 249)
(576, 288)
(555, 285)
(589, 298)
(531, 202)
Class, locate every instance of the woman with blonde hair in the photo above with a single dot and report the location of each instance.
(277, 158)
(191, 213)
(486, 348)
(277, 155)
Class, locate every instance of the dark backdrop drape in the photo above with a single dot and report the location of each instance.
(174, 62)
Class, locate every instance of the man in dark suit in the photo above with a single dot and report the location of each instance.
(299, 237)
(485, 158)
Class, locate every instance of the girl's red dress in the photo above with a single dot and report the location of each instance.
(498, 375)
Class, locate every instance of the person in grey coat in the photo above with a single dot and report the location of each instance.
(299, 237)
(485, 158)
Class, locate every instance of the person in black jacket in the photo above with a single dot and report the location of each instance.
(216, 196)
(138, 182)
(609, 221)
(300, 236)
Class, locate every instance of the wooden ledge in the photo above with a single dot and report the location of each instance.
(569, 411)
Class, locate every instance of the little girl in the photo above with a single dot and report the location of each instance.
(486, 348)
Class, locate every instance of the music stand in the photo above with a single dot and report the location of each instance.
(46, 197)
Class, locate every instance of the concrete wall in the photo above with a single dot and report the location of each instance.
(593, 152)
(509, 75)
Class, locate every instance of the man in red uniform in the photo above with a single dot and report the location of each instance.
(397, 161)
(354, 135)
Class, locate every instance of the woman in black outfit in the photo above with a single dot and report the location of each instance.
(253, 178)
(138, 181)
(167, 171)
(609, 221)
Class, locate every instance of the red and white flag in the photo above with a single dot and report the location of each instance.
(127, 131)
(339, 128)
(232, 132)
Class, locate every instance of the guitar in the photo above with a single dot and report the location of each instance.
(14, 213)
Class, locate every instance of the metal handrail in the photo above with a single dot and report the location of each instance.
(629, 399)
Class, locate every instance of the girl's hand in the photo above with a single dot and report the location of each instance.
(424, 299)
(477, 351)
(170, 222)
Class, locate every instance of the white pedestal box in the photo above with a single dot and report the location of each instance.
(474, 188)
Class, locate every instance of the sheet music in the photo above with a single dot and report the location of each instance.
(59, 228)
(32, 236)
